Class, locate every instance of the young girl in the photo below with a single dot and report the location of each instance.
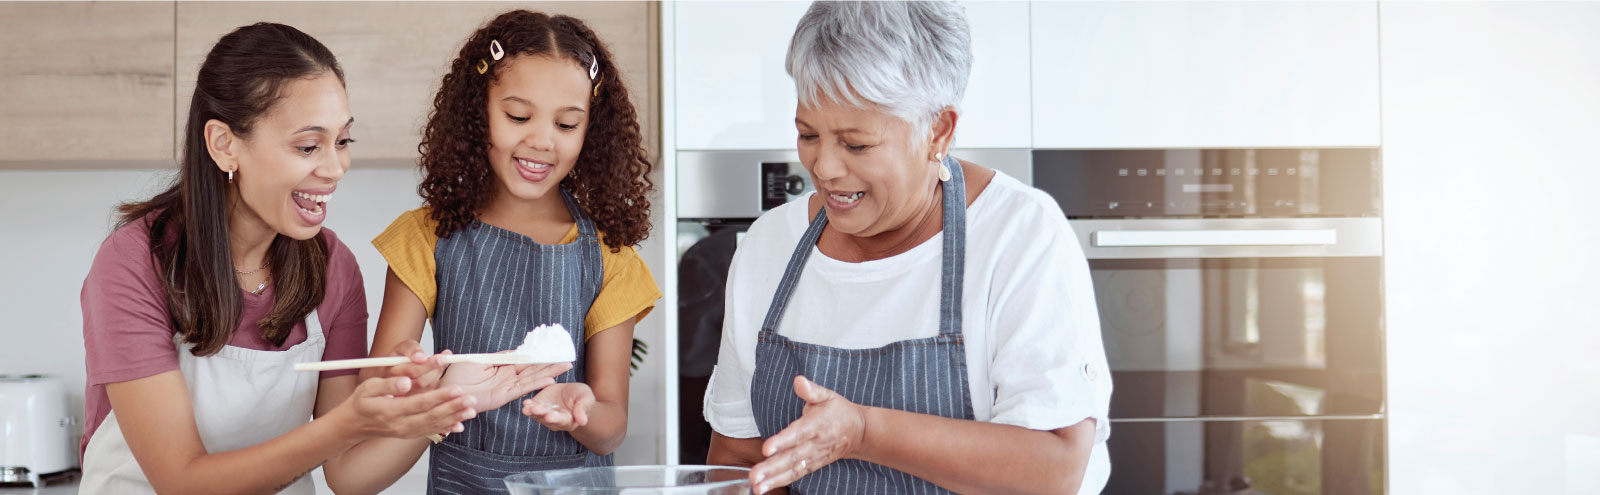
(535, 192)
(202, 300)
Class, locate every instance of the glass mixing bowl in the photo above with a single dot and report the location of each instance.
(633, 480)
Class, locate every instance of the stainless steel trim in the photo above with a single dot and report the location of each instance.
(725, 184)
(13, 474)
(1229, 237)
(1214, 419)
(1017, 163)
(1239, 237)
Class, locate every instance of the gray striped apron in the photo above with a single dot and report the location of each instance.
(494, 286)
(926, 376)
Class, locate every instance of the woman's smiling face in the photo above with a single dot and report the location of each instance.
(296, 152)
(872, 176)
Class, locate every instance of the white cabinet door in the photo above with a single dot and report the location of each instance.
(1204, 74)
(996, 110)
(732, 92)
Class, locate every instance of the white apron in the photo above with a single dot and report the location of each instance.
(241, 397)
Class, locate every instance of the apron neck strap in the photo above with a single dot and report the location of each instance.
(952, 266)
(313, 325)
(955, 249)
(586, 228)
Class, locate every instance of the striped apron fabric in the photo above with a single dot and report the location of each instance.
(926, 376)
(494, 286)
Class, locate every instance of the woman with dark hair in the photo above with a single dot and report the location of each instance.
(202, 300)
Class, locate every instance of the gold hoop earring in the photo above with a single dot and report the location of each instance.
(230, 176)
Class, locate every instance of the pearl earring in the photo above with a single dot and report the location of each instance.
(230, 176)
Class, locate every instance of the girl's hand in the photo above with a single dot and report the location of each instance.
(423, 370)
(380, 407)
(561, 407)
(497, 385)
(829, 428)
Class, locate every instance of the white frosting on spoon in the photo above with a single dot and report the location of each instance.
(548, 344)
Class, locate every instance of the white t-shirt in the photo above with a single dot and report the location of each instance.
(1034, 354)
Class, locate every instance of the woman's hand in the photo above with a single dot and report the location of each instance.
(496, 385)
(380, 407)
(829, 428)
(561, 407)
(423, 370)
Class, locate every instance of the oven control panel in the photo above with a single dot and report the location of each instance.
(1340, 182)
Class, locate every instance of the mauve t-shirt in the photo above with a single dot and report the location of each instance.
(127, 332)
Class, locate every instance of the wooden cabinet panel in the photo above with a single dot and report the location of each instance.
(86, 81)
(394, 54)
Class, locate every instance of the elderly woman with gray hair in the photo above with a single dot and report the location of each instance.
(920, 324)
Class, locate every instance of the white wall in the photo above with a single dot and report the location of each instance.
(1491, 116)
(53, 223)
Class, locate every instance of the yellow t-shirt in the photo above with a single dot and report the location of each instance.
(627, 290)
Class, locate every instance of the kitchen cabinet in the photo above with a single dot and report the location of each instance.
(1204, 74)
(733, 93)
(996, 109)
(86, 81)
(394, 55)
(731, 89)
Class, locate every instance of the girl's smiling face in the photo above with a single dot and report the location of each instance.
(538, 115)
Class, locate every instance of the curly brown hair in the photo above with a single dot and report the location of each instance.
(611, 178)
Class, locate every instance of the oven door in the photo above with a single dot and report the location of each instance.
(1246, 353)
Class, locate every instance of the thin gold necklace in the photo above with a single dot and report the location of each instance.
(251, 272)
(260, 287)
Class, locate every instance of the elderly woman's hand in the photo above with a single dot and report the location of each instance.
(830, 428)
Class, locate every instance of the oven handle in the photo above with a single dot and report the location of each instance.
(1217, 237)
(1156, 238)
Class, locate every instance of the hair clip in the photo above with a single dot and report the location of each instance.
(496, 51)
(597, 88)
(594, 68)
(483, 66)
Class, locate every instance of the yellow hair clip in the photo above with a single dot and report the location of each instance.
(483, 66)
(597, 88)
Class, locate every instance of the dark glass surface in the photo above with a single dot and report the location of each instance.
(1211, 182)
(1288, 457)
(1242, 337)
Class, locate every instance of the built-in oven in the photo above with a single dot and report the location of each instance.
(719, 194)
(1240, 302)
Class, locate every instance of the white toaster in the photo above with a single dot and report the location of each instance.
(37, 433)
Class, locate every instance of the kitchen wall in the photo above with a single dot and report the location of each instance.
(1490, 119)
